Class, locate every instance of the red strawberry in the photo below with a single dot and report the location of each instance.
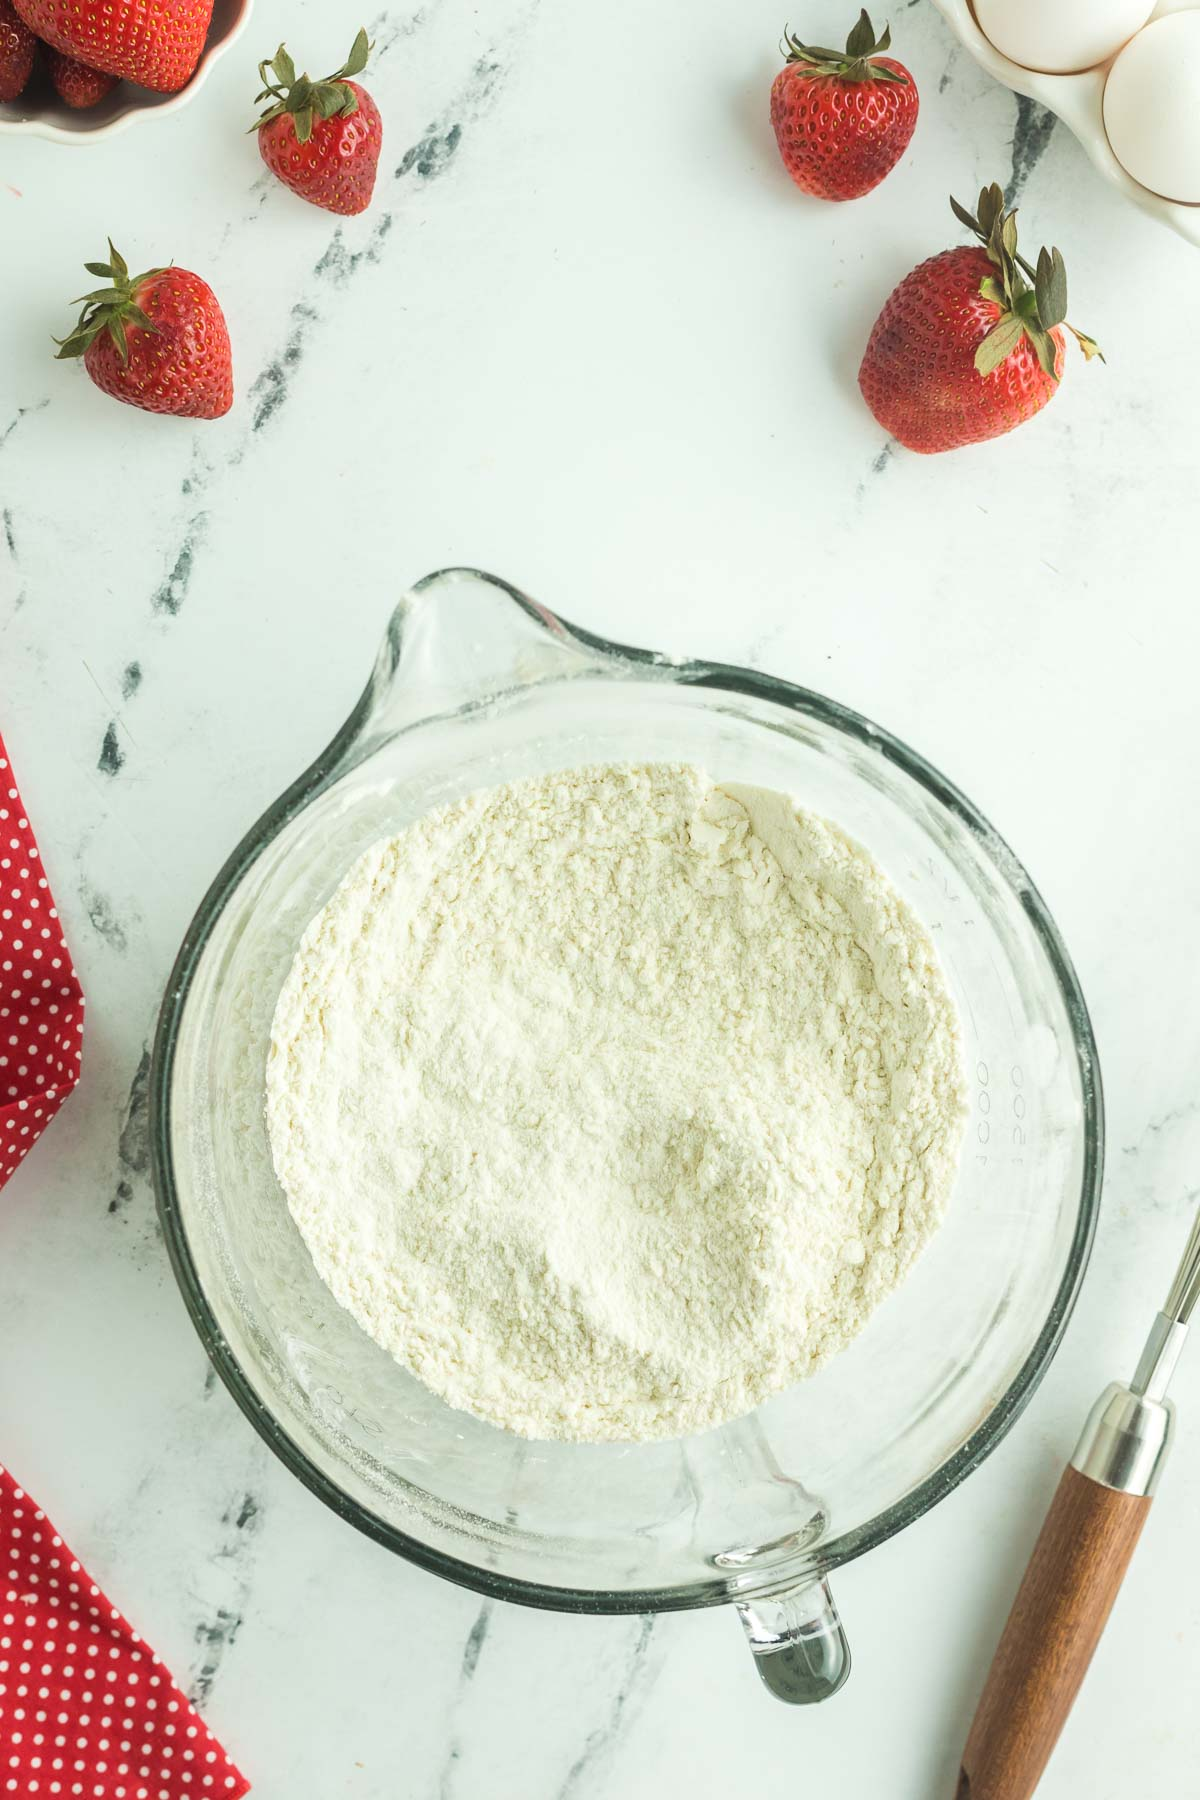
(322, 138)
(18, 47)
(75, 83)
(156, 43)
(843, 118)
(158, 341)
(965, 348)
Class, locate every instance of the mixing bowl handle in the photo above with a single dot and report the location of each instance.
(799, 1647)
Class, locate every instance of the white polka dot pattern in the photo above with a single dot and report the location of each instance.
(41, 1002)
(86, 1708)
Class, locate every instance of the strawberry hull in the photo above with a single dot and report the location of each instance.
(154, 43)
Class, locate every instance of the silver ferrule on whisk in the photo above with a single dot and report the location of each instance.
(1125, 1442)
(1128, 1434)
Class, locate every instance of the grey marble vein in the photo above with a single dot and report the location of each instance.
(10, 543)
(338, 264)
(1032, 132)
(269, 389)
(472, 1650)
(102, 918)
(432, 155)
(604, 1739)
(133, 1144)
(171, 594)
(389, 29)
(879, 466)
(233, 1566)
(22, 412)
(131, 680)
(1162, 1123)
(111, 759)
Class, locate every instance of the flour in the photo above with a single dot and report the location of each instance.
(612, 1102)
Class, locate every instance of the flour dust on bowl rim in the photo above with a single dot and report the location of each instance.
(476, 685)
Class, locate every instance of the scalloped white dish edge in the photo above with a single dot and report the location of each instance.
(139, 104)
(1077, 101)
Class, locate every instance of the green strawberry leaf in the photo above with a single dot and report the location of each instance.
(360, 50)
(854, 63)
(1043, 345)
(1037, 310)
(109, 309)
(963, 216)
(1050, 285)
(74, 345)
(861, 40)
(1000, 342)
(814, 53)
(102, 269)
(305, 99)
(991, 205)
(328, 99)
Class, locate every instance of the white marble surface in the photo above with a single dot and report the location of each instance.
(590, 337)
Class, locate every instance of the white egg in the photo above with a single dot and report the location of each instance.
(1152, 107)
(1060, 36)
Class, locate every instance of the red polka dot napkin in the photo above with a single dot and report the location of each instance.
(41, 1004)
(86, 1708)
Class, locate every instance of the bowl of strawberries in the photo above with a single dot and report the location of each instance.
(71, 70)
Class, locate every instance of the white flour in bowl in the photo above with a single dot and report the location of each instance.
(614, 1101)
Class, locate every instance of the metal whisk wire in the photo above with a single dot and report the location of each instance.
(1185, 1289)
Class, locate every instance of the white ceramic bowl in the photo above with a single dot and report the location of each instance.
(40, 113)
(1078, 102)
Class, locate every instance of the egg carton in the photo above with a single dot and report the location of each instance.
(1078, 101)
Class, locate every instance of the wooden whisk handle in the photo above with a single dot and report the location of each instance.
(1056, 1622)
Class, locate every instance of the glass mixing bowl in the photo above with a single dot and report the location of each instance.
(476, 685)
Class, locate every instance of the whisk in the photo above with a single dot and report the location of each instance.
(1079, 1562)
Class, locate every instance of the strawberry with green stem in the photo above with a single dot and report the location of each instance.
(158, 341)
(967, 347)
(842, 118)
(321, 138)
